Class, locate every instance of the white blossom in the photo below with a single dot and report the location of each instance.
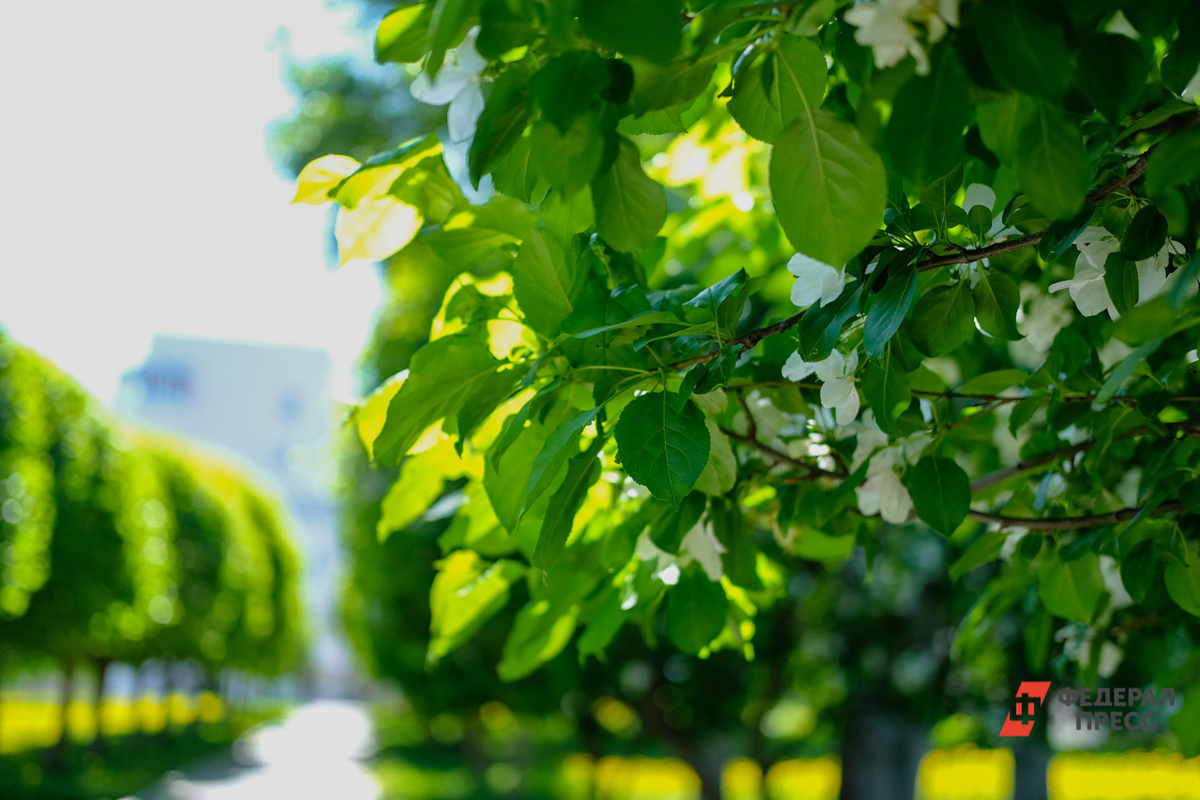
(457, 84)
(1086, 286)
(882, 492)
(701, 545)
(836, 373)
(815, 281)
(891, 27)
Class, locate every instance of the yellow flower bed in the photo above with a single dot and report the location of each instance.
(26, 723)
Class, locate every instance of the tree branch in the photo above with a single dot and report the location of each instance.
(781, 458)
(1068, 523)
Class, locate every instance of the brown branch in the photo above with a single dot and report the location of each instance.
(781, 458)
(999, 248)
(1135, 624)
(1068, 523)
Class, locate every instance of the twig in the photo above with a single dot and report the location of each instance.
(782, 458)
(1068, 523)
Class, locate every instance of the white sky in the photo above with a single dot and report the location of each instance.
(136, 192)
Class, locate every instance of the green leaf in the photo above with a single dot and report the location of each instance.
(720, 473)
(545, 283)
(507, 470)
(582, 472)
(924, 137)
(512, 173)
(716, 373)
(885, 386)
(648, 28)
(1185, 723)
(696, 610)
(1071, 589)
(994, 382)
(1052, 162)
(821, 326)
(944, 319)
(984, 549)
(1125, 369)
(501, 30)
(319, 179)
(567, 160)
(997, 299)
(1145, 236)
(466, 592)
(1000, 122)
(1062, 234)
(447, 27)
(1121, 280)
(630, 207)
(1183, 584)
(663, 445)
(561, 444)
(566, 216)
(889, 308)
(779, 82)
(941, 493)
(1025, 50)
(570, 85)
(541, 631)
(369, 418)
(1139, 568)
(1112, 73)
(1185, 281)
(500, 125)
(419, 485)
(442, 374)
(402, 34)
(828, 186)
(1174, 161)
(636, 321)
(670, 85)
(603, 626)
(713, 296)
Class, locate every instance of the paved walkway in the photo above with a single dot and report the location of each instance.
(312, 755)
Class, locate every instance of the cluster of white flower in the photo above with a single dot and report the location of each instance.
(882, 492)
(837, 375)
(815, 281)
(891, 28)
(458, 85)
(1087, 287)
(699, 545)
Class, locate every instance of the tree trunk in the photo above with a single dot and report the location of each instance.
(881, 754)
(100, 744)
(1032, 761)
(58, 754)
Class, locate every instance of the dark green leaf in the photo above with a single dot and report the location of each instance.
(886, 389)
(984, 549)
(924, 136)
(630, 207)
(670, 85)
(1112, 73)
(663, 446)
(716, 373)
(648, 28)
(696, 610)
(994, 382)
(821, 326)
(1145, 236)
(446, 27)
(1174, 161)
(582, 472)
(889, 308)
(561, 444)
(711, 298)
(1121, 280)
(1062, 233)
(778, 83)
(567, 160)
(1139, 569)
(501, 30)
(1000, 121)
(500, 124)
(1183, 583)
(941, 493)
(545, 282)
(1184, 282)
(943, 319)
(1052, 162)
(1025, 51)
(569, 86)
(997, 299)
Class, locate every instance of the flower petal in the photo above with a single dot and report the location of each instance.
(796, 368)
(464, 112)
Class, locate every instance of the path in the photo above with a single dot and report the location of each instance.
(312, 755)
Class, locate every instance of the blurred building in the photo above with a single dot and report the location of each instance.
(272, 407)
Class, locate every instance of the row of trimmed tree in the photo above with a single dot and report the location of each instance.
(119, 545)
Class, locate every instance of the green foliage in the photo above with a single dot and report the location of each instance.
(990, 233)
(126, 546)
